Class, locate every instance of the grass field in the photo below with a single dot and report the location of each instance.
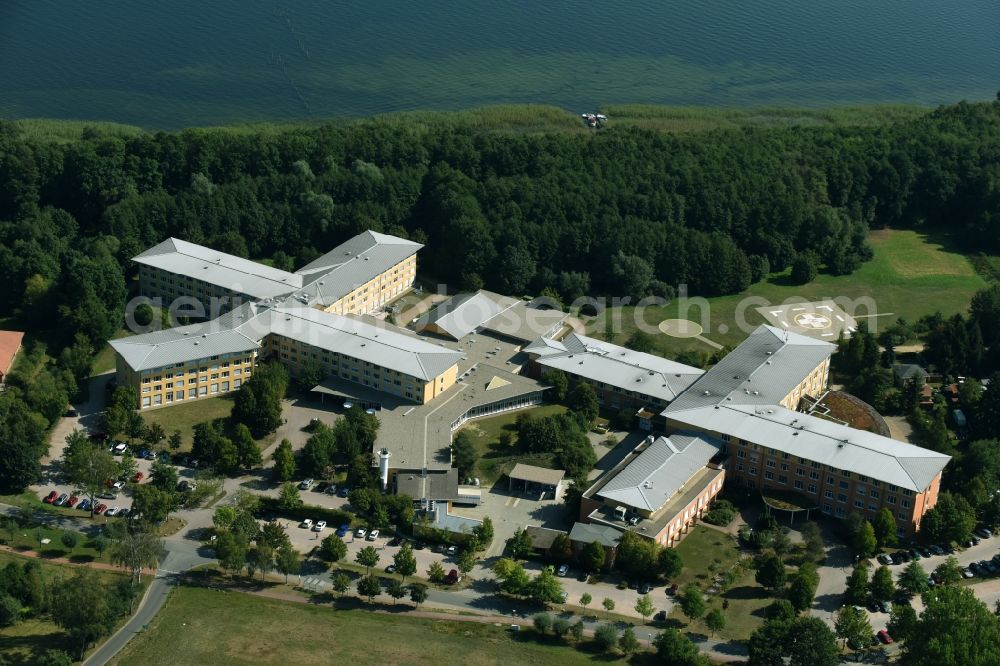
(184, 416)
(494, 462)
(30, 538)
(705, 552)
(200, 626)
(910, 275)
(27, 641)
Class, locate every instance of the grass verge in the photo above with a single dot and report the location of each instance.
(495, 461)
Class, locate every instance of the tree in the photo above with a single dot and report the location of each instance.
(404, 561)
(163, 476)
(780, 610)
(865, 543)
(368, 586)
(715, 620)
(231, 551)
(286, 560)
(10, 610)
(223, 517)
(583, 401)
(261, 558)
(88, 466)
(676, 649)
(69, 539)
(802, 590)
(332, 548)
(483, 533)
(637, 556)
(853, 626)
(857, 584)
(586, 599)
(882, 586)
(576, 630)
(560, 626)
(644, 607)
(812, 643)
(591, 557)
(692, 603)
(902, 622)
(606, 637)
(519, 544)
(175, 440)
(153, 434)
(418, 594)
(127, 466)
(559, 382)
(284, 462)
(247, 451)
(627, 642)
(542, 622)
(288, 496)
(949, 572)
(771, 572)
(913, 580)
(396, 590)
(435, 572)
(951, 519)
(136, 549)
(466, 561)
(367, 557)
(546, 588)
(813, 539)
(885, 528)
(955, 629)
(152, 503)
(464, 455)
(561, 549)
(341, 583)
(258, 402)
(609, 604)
(805, 268)
(79, 607)
(668, 563)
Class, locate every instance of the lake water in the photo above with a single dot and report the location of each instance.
(172, 63)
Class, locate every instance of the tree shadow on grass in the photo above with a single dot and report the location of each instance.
(52, 553)
(746, 592)
(81, 558)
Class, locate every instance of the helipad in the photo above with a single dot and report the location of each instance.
(823, 320)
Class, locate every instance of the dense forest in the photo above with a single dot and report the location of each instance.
(622, 211)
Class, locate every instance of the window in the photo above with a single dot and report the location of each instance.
(902, 516)
(873, 507)
(814, 476)
(739, 467)
(829, 480)
(844, 485)
(841, 497)
(225, 386)
(770, 463)
(859, 504)
(891, 499)
(192, 392)
(812, 488)
(799, 471)
(202, 390)
(769, 475)
(828, 494)
(753, 470)
(145, 402)
(874, 493)
(798, 484)
(906, 504)
(782, 479)
(739, 454)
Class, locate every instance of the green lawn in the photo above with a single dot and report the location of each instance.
(200, 626)
(184, 416)
(705, 551)
(30, 538)
(494, 462)
(911, 275)
(27, 641)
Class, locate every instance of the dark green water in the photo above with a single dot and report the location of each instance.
(171, 63)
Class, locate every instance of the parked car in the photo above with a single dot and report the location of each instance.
(344, 491)
(562, 570)
(306, 524)
(884, 636)
(319, 526)
(967, 573)
(672, 590)
(118, 485)
(71, 502)
(915, 554)
(331, 489)
(306, 484)
(138, 477)
(924, 551)
(51, 497)
(420, 545)
(372, 535)
(100, 508)
(936, 549)
(84, 505)
(884, 559)
(118, 448)
(452, 577)
(900, 556)
(360, 533)
(111, 512)
(391, 569)
(107, 494)
(451, 550)
(164, 457)
(884, 606)
(645, 588)
(983, 533)
(973, 541)
(143, 452)
(61, 499)
(661, 616)
(343, 530)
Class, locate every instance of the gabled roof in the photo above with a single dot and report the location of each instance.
(822, 441)
(464, 313)
(762, 370)
(237, 331)
(660, 471)
(220, 269)
(617, 366)
(350, 265)
(589, 533)
(384, 345)
(909, 371)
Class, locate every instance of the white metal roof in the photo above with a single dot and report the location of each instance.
(822, 441)
(380, 345)
(660, 471)
(464, 313)
(352, 264)
(617, 366)
(220, 269)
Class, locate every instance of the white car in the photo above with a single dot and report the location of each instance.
(320, 526)
(563, 570)
(360, 533)
(306, 484)
(306, 524)
(373, 535)
(113, 511)
(452, 550)
(118, 485)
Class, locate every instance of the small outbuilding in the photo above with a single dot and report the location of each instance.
(537, 480)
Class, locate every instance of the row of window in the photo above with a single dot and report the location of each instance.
(192, 393)
(841, 497)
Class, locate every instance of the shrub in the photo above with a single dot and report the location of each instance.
(542, 622)
(721, 513)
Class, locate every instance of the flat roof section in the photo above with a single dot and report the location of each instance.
(542, 475)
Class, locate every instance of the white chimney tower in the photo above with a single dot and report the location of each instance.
(383, 467)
